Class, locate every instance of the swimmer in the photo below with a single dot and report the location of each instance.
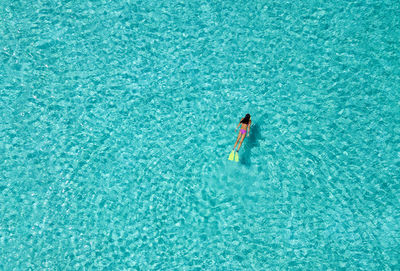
(244, 129)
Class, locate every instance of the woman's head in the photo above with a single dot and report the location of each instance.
(246, 119)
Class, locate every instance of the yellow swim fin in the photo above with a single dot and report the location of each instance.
(231, 156)
(236, 157)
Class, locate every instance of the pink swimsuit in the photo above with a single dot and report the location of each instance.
(242, 131)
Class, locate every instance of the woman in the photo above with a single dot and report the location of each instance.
(245, 128)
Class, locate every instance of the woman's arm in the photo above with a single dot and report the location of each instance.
(248, 128)
(238, 125)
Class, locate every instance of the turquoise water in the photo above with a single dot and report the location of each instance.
(117, 119)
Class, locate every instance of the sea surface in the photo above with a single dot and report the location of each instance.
(117, 119)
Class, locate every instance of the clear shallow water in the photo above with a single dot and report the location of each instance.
(117, 120)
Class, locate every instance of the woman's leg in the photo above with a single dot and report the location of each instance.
(237, 140)
(241, 141)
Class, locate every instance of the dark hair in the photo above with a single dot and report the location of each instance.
(246, 119)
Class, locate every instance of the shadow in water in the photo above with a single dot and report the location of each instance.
(251, 142)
